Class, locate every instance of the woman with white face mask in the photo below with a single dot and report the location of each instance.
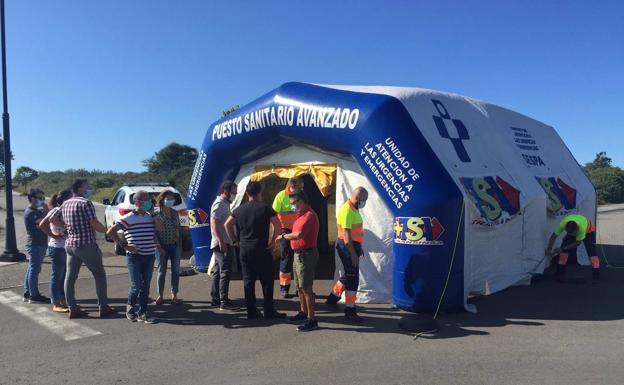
(168, 231)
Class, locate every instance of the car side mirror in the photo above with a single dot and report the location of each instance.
(106, 202)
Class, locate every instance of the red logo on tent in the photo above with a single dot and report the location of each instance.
(561, 196)
(198, 218)
(418, 230)
(497, 200)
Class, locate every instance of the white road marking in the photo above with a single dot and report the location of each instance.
(57, 323)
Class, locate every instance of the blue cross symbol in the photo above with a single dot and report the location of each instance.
(462, 131)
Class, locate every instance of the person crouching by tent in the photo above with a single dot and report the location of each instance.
(349, 247)
(253, 220)
(579, 229)
(303, 241)
(287, 216)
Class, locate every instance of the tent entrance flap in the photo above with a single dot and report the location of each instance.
(324, 174)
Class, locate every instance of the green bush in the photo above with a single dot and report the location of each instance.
(608, 179)
(609, 183)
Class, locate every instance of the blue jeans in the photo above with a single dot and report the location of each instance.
(140, 269)
(172, 253)
(31, 278)
(57, 275)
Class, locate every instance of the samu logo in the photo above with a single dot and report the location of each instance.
(497, 200)
(198, 218)
(462, 132)
(418, 231)
(561, 197)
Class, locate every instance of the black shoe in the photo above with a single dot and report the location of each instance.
(227, 305)
(26, 297)
(146, 319)
(300, 317)
(254, 315)
(332, 301)
(353, 317)
(307, 326)
(132, 316)
(274, 315)
(39, 299)
(215, 303)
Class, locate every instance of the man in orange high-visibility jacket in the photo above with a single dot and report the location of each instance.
(579, 229)
(349, 248)
(287, 216)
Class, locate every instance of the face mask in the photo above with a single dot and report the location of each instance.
(293, 208)
(361, 204)
(169, 202)
(147, 206)
(40, 202)
(88, 194)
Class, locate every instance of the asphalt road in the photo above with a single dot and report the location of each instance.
(546, 333)
(542, 334)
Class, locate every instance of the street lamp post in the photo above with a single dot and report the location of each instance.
(11, 253)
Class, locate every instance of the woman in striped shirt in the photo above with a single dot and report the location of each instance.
(140, 234)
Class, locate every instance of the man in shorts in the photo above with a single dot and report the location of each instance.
(303, 241)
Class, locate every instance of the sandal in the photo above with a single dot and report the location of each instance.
(175, 301)
(60, 309)
(159, 301)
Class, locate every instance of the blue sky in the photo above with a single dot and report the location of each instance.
(104, 84)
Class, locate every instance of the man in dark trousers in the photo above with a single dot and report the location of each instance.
(579, 229)
(253, 220)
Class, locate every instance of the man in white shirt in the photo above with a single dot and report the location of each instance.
(222, 249)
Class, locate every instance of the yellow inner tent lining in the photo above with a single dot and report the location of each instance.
(324, 174)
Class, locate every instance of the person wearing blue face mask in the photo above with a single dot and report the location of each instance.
(141, 243)
(222, 249)
(168, 231)
(35, 246)
(349, 248)
(77, 214)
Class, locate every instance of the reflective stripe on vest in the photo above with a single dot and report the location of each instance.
(357, 233)
(348, 214)
(287, 219)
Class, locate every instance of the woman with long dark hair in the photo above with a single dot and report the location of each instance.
(56, 251)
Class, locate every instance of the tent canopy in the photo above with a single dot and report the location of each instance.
(323, 174)
(426, 156)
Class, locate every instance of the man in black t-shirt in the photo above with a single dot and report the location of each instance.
(252, 221)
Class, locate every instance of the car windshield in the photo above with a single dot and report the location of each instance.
(153, 195)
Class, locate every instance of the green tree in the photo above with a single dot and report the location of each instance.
(170, 158)
(25, 175)
(608, 179)
(600, 161)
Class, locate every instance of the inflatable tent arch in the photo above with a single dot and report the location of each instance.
(444, 172)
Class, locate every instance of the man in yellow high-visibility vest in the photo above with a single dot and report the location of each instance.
(349, 247)
(579, 229)
(287, 215)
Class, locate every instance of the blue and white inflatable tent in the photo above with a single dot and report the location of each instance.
(424, 156)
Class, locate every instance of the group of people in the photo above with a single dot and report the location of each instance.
(64, 230)
(294, 227)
